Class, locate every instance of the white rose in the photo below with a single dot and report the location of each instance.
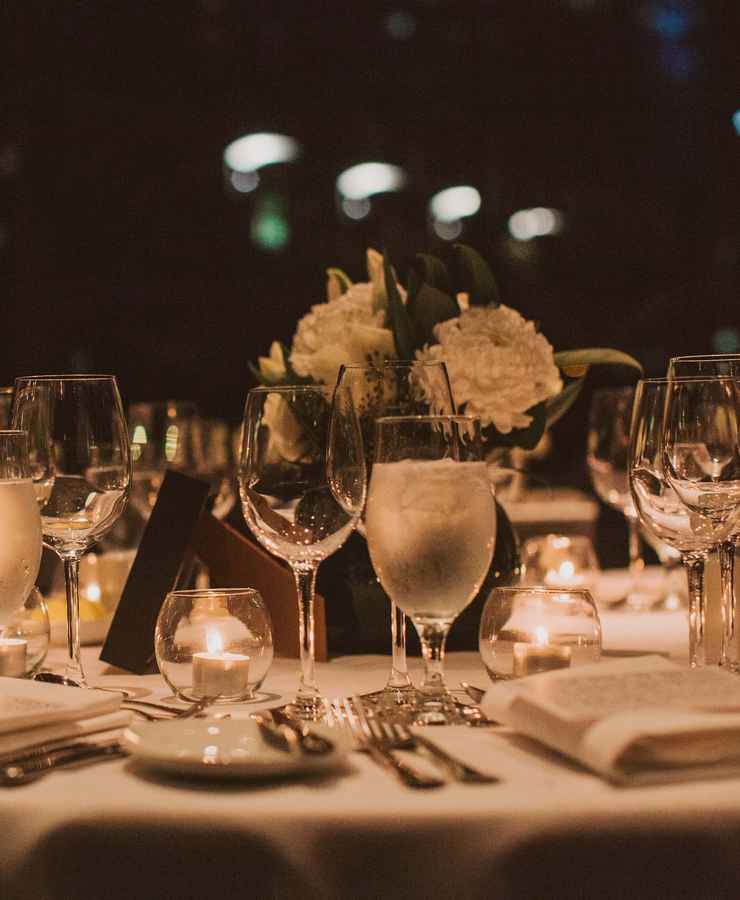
(499, 365)
(344, 330)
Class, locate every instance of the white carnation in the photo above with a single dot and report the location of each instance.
(499, 365)
(344, 330)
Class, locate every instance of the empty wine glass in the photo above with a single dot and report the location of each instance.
(431, 530)
(20, 526)
(660, 508)
(397, 388)
(606, 457)
(716, 364)
(302, 487)
(81, 469)
(701, 449)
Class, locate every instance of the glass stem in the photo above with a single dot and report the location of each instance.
(730, 651)
(433, 638)
(307, 696)
(73, 668)
(399, 679)
(694, 565)
(636, 562)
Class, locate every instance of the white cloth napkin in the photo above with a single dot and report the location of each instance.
(34, 714)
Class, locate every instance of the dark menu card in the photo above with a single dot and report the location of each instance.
(163, 558)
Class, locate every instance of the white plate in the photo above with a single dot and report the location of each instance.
(225, 748)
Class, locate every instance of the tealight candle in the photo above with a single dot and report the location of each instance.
(529, 659)
(565, 576)
(220, 674)
(13, 657)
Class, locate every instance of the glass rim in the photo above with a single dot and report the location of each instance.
(12, 432)
(537, 589)
(213, 592)
(69, 377)
(689, 379)
(382, 420)
(289, 388)
(395, 363)
(704, 356)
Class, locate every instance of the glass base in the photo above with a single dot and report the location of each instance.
(308, 709)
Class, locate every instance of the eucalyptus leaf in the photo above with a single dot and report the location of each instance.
(430, 307)
(434, 272)
(591, 356)
(401, 325)
(557, 406)
(474, 277)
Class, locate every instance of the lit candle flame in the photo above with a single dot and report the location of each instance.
(214, 641)
(567, 569)
(541, 636)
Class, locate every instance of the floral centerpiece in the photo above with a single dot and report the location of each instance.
(502, 369)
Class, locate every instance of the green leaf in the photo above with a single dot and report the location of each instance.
(431, 306)
(340, 278)
(562, 402)
(582, 359)
(434, 272)
(526, 438)
(474, 277)
(401, 325)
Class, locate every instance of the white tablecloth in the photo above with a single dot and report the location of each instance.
(548, 830)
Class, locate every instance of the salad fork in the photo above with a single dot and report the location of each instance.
(369, 738)
(401, 736)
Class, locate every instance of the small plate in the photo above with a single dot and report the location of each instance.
(225, 748)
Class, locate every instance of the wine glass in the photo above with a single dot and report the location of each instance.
(660, 508)
(302, 486)
(703, 456)
(606, 458)
(431, 530)
(6, 402)
(20, 526)
(706, 366)
(396, 388)
(81, 469)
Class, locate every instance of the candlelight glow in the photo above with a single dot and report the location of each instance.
(214, 641)
(541, 636)
(93, 592)
(567, 569)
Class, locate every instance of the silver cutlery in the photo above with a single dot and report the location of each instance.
(32, 767)
(402, 737)
(174, 713)
(369, 738)
(278, 736)
(309, 740)
(476, 694)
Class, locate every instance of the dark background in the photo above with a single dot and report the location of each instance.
(124, 247)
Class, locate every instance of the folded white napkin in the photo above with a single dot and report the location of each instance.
(33, 713)
(631, 720)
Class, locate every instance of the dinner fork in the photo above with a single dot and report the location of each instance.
(401, 736)
(369, 738)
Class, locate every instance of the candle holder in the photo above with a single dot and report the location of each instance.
(24, 641)
(215, 642)
(560, 561)
(527, 630)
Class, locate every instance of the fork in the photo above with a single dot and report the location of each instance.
(401, 736)
(352, 713)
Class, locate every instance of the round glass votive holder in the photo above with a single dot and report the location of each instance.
(528, 630)
(560, 561)
(24, 641)
(215, 642)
